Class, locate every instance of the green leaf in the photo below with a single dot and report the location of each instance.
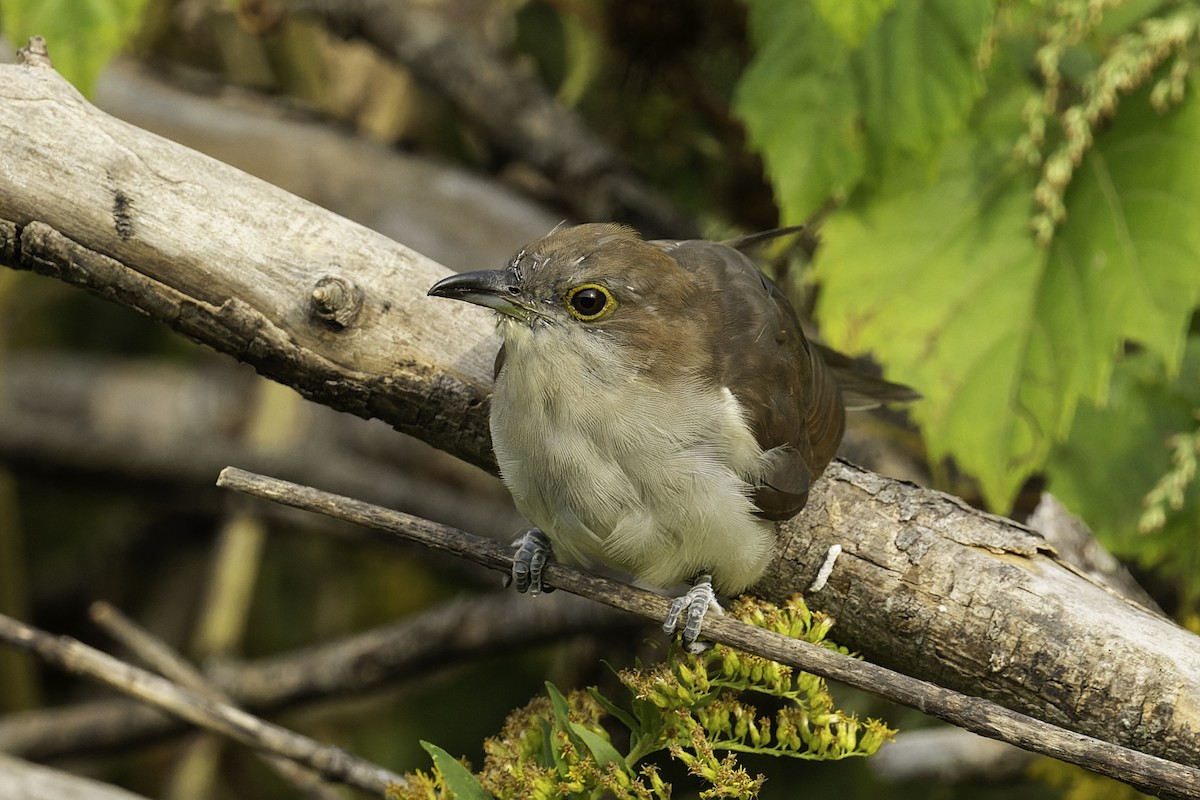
(614, 710)
(559, 703)
(919, 75)
(800, 105)
(600, 748)
(1130, 248)
(852, 20)
(938, 280)
(563, 723)
(829, 80)
(1124, 265)
(82, 35)
(458, 778)
(941, 279)
(552, 757)
(1114, 455)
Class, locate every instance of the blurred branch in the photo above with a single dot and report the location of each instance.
(158, 656)
(159, 421)
(974, 714)
(233, 573)
(456, 632)
(512, 109)
(21, 780)
(948, 755)
(20, 687)
(75, 657)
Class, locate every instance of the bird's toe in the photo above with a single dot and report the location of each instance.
(687, 613)
(532, 552)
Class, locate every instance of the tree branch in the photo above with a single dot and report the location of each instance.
(1146, 772)
(92, 413)
(75, 657)
(235, 263)
(171, 665)
(455, 632)
(948, 755)
(21, 780)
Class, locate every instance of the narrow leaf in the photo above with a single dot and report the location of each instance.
(458, 778)
(600, 748)
(562, 719)
(611, 708)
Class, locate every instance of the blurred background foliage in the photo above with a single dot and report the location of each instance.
(1001, 196)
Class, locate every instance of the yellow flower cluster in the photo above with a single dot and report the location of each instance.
(691, 707)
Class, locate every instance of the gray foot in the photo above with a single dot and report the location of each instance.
(692, 607)
(533, 549)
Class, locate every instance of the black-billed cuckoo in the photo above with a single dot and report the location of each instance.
(657, 408)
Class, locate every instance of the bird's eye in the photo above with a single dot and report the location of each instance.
(590, 302)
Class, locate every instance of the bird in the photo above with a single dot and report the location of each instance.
(656, 409)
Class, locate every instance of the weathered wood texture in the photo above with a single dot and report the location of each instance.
(234, 262)
(924, 584)
(981, 604)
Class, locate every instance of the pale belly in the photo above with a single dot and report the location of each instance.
(652, 482)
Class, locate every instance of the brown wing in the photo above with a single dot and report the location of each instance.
(788, 392)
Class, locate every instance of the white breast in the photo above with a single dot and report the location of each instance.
(653, 480)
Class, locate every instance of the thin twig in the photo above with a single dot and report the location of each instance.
(159, 656)
(453, 632)
(1146, 772)
(76, 657)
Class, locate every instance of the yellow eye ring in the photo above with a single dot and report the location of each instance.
(589, 302)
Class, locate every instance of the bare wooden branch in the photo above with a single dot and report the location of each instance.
(981, 604)
(156, 654)
(234, 262)
(75, 657)
(981, 716)
(21, 780)
(1075, 544)
(152, 651)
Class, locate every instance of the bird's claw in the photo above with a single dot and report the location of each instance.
(692, 607)
(532, 552)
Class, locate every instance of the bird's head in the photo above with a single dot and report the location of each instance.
(586, 282)
(595, 276)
